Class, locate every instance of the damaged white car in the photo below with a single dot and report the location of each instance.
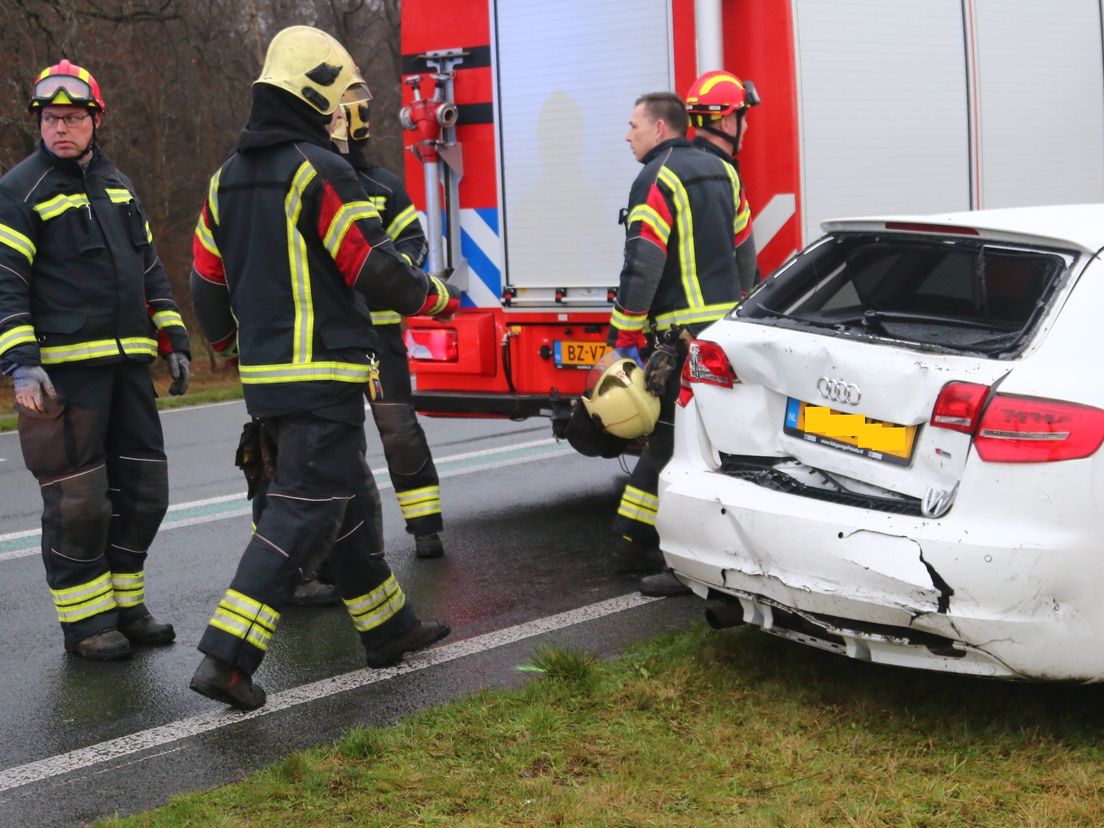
(891, 449)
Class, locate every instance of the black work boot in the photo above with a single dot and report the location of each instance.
(428, 546)
(416, 637)
(218, 680)
(148, 632)
(638, 558)
(663, 585)
(314, 593)
(109, 645)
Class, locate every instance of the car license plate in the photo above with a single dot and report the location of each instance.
(854, 433)
(570, 354)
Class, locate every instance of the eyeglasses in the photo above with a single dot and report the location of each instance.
(74, 119)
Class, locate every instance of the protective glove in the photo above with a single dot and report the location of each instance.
(670, 350)
(181, 372)
(30, 383)
(442, 300)
(632, 353)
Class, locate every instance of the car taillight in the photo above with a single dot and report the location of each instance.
(432, 344)
(959, 406)
(1032, 430)
(706, 363)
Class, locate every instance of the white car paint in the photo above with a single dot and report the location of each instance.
(1006, 583)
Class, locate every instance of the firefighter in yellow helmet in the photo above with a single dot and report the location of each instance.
(83, 295)
(718, 103)
(285, 242)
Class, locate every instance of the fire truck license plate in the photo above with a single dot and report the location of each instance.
(578, 354)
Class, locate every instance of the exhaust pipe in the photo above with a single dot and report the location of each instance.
(721, 614)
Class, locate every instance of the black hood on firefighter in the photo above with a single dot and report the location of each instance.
(278, 117)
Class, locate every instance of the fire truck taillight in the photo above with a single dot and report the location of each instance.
(432, 344)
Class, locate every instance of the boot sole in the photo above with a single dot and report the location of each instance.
(221, 694)
(151, 641)
(114, 655)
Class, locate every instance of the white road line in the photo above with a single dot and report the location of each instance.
(383, 482)
(109, 751)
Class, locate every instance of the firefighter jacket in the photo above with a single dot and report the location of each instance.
(285, 237)
(680, 228)
(743, 214)
(80, 278)
(386, 193)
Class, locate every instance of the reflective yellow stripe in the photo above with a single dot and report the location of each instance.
(307, 372)
(442, 296)
(302, 346)
(379, 202)
(212, 196)
(17, 242)
(84, 600)
(416, 503)
(741, 219)
(131, 346)
(694, 316)
(19, 335)
(687, 258)
(129, 588)
(343, 219)
(386, 318)
(648, 215)
(149, 233)
(639, 505)
(118, 195)
(378, 606)
(167, 319)
(402, 221)
(205, 238)
(54, 207)
(627, 322)
(243, 617)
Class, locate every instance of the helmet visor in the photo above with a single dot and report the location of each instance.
(356, 106)
(62, 89)
(751, 94)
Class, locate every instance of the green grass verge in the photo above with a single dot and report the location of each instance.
(8, 422)
(733, 728)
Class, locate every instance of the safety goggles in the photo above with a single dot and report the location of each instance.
(53, 88)
(751, 94)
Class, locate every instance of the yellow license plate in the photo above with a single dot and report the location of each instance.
(569, 354)
(852, 433)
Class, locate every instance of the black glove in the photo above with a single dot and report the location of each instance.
(181, 372)
(249, 458)
(667, 357)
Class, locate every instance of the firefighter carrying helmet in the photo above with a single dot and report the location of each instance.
(618, 401)
(719, 93)
(66, 84)
(352, 115)
(311, 65)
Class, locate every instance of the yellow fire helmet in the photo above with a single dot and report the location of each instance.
(619, 403)
(311, 65)
(352, 115)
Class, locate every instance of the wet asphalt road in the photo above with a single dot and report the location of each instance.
(525, 518)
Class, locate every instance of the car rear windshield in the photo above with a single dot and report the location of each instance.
(928, 292)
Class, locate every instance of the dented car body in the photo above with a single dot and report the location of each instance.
(891, 449)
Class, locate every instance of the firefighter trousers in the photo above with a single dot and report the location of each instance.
(636, 513)
(321, 497)
(98, 455)
(409, 462)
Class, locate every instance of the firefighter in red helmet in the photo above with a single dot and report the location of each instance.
(718, 103)
(83, 301)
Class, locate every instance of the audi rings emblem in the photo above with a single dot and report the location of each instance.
(839, 391)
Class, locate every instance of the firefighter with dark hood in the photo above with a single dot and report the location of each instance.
(285, 241)
(409, 461)
(718, 103)
(83, 299)
(679, 275)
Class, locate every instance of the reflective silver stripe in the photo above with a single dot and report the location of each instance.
(57, 205)
(167, 319)
(19, 335)
(118, 195)
(343, 219)
(17, 242)
(628, 322)
(212, 195)
(647, 214)
(129, 588)
(84, 600)
(302, 345)
(694, 316)
(378, 606)
(401, 222)
(386, 318)
(132, 346)
(205, 238)
(309, 372)
(685, 219)
(419, 502)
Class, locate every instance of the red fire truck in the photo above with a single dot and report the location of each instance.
(518, 110)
